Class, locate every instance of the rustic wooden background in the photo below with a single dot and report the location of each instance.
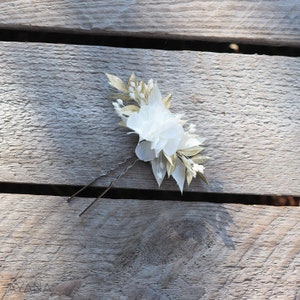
(58, 127)
(147, 250)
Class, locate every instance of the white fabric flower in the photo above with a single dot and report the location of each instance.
(159, 132)
(158, 129)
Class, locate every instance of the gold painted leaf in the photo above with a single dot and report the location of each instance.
(170, 163)
(167, 101)
(171, 158)
(203, 178)
(199, 159)
(129, 109)
(122, 123)
(132, 78)
(189, 176)
(170, 168)
(117, 83)
(186, 163)
(122, 96)
(191, 151)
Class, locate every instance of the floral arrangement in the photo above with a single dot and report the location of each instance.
(163, 141)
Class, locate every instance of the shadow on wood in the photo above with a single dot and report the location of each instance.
(148, 249)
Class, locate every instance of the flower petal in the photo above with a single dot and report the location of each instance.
(155, 96)
(135, 122)
(159, 169)
(179, 174)
(144, 152)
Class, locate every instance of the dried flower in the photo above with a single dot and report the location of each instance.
(162, 138)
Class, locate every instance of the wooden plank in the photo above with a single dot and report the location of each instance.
(58, 125)
(147, 250)
(266, 22)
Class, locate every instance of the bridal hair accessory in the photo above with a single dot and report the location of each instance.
(163, 140)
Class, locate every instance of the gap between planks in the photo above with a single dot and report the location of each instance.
(269, 22)
(126, 40)
(117, 193)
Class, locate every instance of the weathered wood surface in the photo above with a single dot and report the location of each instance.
(58, 126)
(267, 22)
(147, 250)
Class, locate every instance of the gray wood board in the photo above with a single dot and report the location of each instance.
(58, 126)
(266, 22)
(133, 249)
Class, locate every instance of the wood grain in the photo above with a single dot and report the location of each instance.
(265, 22)
(147, 250)
(58, 125)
